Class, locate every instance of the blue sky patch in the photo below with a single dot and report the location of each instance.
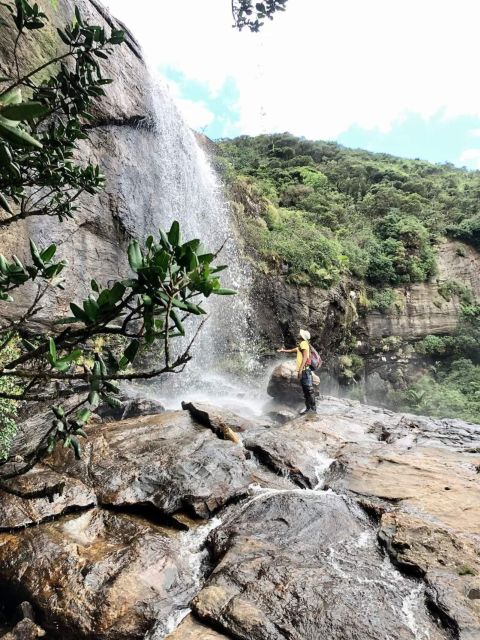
(436, 139)
(223, 104)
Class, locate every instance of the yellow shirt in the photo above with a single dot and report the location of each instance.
(302, 347)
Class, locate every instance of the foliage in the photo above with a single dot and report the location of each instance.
(452, 288)
(468, 230)
(403, 253)
(386, 213)
(450, 393)
(305, 248)
(350, 368)
(252, 14)
(38, 135)
(39, 176)
(382, 300)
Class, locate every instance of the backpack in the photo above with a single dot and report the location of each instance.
(315, 359)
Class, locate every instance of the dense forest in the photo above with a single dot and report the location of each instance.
(321, 214)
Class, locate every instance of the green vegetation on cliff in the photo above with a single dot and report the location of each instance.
(320, 214)
(324, 210)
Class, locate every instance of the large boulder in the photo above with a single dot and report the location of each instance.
(167, 461)
(100, 575)
(26, 629)
(284, 384)
(192, 629)
(305, 566)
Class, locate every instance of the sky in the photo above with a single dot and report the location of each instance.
(400, 77)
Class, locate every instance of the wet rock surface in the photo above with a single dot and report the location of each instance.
(192, 629)
(168, 461)
(297, 565)
(101, 574)
(287, 560)
(47, 494)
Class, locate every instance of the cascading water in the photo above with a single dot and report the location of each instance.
(189, 191)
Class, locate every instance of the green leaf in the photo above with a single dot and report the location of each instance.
(164, 240)
(76, 447)
(52, 349)
(100, 54)
(206, 258)
(79, 313)
(117, 292)
(59, 412)
(12, 97)
(71, 357)
(178, 322)
(129, 353)
(37, 260)
(225, 292)
(174, 234)
(4, 204)
(94, 397)
(112, 401)
(83, 415)
(221, 267)
(47, 254)
(94, 285)
(29, 346)
(9, 131)
(135, 258)
(24, 111)
(91, 308)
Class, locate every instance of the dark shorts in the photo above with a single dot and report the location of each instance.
(307, 378)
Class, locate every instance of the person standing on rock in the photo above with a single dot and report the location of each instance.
(304, 371)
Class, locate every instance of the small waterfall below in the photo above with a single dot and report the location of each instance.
(190, 191)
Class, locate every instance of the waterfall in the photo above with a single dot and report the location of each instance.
(188, 190)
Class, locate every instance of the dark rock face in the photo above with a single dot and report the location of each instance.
(121, 140)
(131, 408)
(293, 564)
(283, 308)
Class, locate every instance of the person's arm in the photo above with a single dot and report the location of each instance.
(282, 350)
(304, 362)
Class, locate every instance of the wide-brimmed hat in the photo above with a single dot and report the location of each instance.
(304, 334)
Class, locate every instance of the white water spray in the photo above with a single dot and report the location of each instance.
(189, 191)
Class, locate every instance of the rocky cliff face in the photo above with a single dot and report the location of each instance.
(354, 523)
(339, 322)
(120, 140)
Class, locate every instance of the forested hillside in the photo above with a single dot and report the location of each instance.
(328, 209)
(321, 214)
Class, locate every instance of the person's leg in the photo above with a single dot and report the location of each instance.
(305, 393)
(308, 390)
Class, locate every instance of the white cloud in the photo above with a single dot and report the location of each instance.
(322, 66)
(196, 114)
(470, 158)
(475, 133)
